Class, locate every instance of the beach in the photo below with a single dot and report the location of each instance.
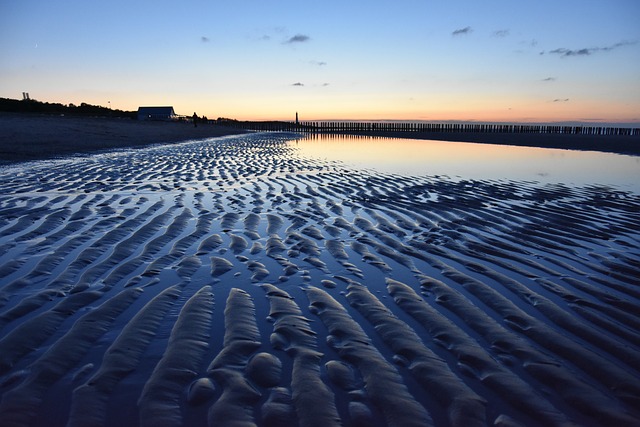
(26, 137)
(236, 281)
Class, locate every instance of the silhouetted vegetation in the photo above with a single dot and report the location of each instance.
(32, 106)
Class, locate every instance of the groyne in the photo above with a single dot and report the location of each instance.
(420, 127)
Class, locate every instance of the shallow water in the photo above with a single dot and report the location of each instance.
(476, 161)
(246, 279)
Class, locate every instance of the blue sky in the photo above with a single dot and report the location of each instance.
(521, 61)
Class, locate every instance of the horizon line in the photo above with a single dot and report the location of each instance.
(583, 122)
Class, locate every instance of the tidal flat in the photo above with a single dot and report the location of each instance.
(247, 280)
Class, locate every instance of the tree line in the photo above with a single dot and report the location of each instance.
(33, 106)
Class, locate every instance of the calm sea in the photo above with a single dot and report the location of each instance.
(460, 160)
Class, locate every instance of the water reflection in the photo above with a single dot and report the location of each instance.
(475, 161)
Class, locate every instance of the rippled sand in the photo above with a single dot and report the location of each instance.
(232, 282)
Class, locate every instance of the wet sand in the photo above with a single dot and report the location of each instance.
(26, 137)
(232, 281)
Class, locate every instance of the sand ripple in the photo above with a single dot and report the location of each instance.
(342, 297)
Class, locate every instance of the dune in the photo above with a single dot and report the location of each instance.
(346, 296)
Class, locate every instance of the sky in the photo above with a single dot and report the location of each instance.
(434, 60)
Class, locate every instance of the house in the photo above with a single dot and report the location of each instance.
(156, 113)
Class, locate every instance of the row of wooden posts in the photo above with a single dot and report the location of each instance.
(276, 126)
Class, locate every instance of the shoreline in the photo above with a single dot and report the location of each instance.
(27, 137)
(618, 144)
(134, 287)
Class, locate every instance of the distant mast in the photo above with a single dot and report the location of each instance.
(297, 122)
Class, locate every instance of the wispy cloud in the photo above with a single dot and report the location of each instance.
(501, 33)
(573, 52)
(298, 38)
(300, 84)
(590, 50)
(204, 39)
(462, 31)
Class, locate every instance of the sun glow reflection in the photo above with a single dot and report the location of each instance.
(463, 160)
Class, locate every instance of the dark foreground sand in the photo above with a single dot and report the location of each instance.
(33, 136)
(233, 281)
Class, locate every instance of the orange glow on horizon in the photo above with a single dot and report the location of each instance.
(520, 111)
(386, 108)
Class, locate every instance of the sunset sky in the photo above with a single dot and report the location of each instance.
(469, 60)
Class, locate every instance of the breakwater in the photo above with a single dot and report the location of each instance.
(355, 127)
